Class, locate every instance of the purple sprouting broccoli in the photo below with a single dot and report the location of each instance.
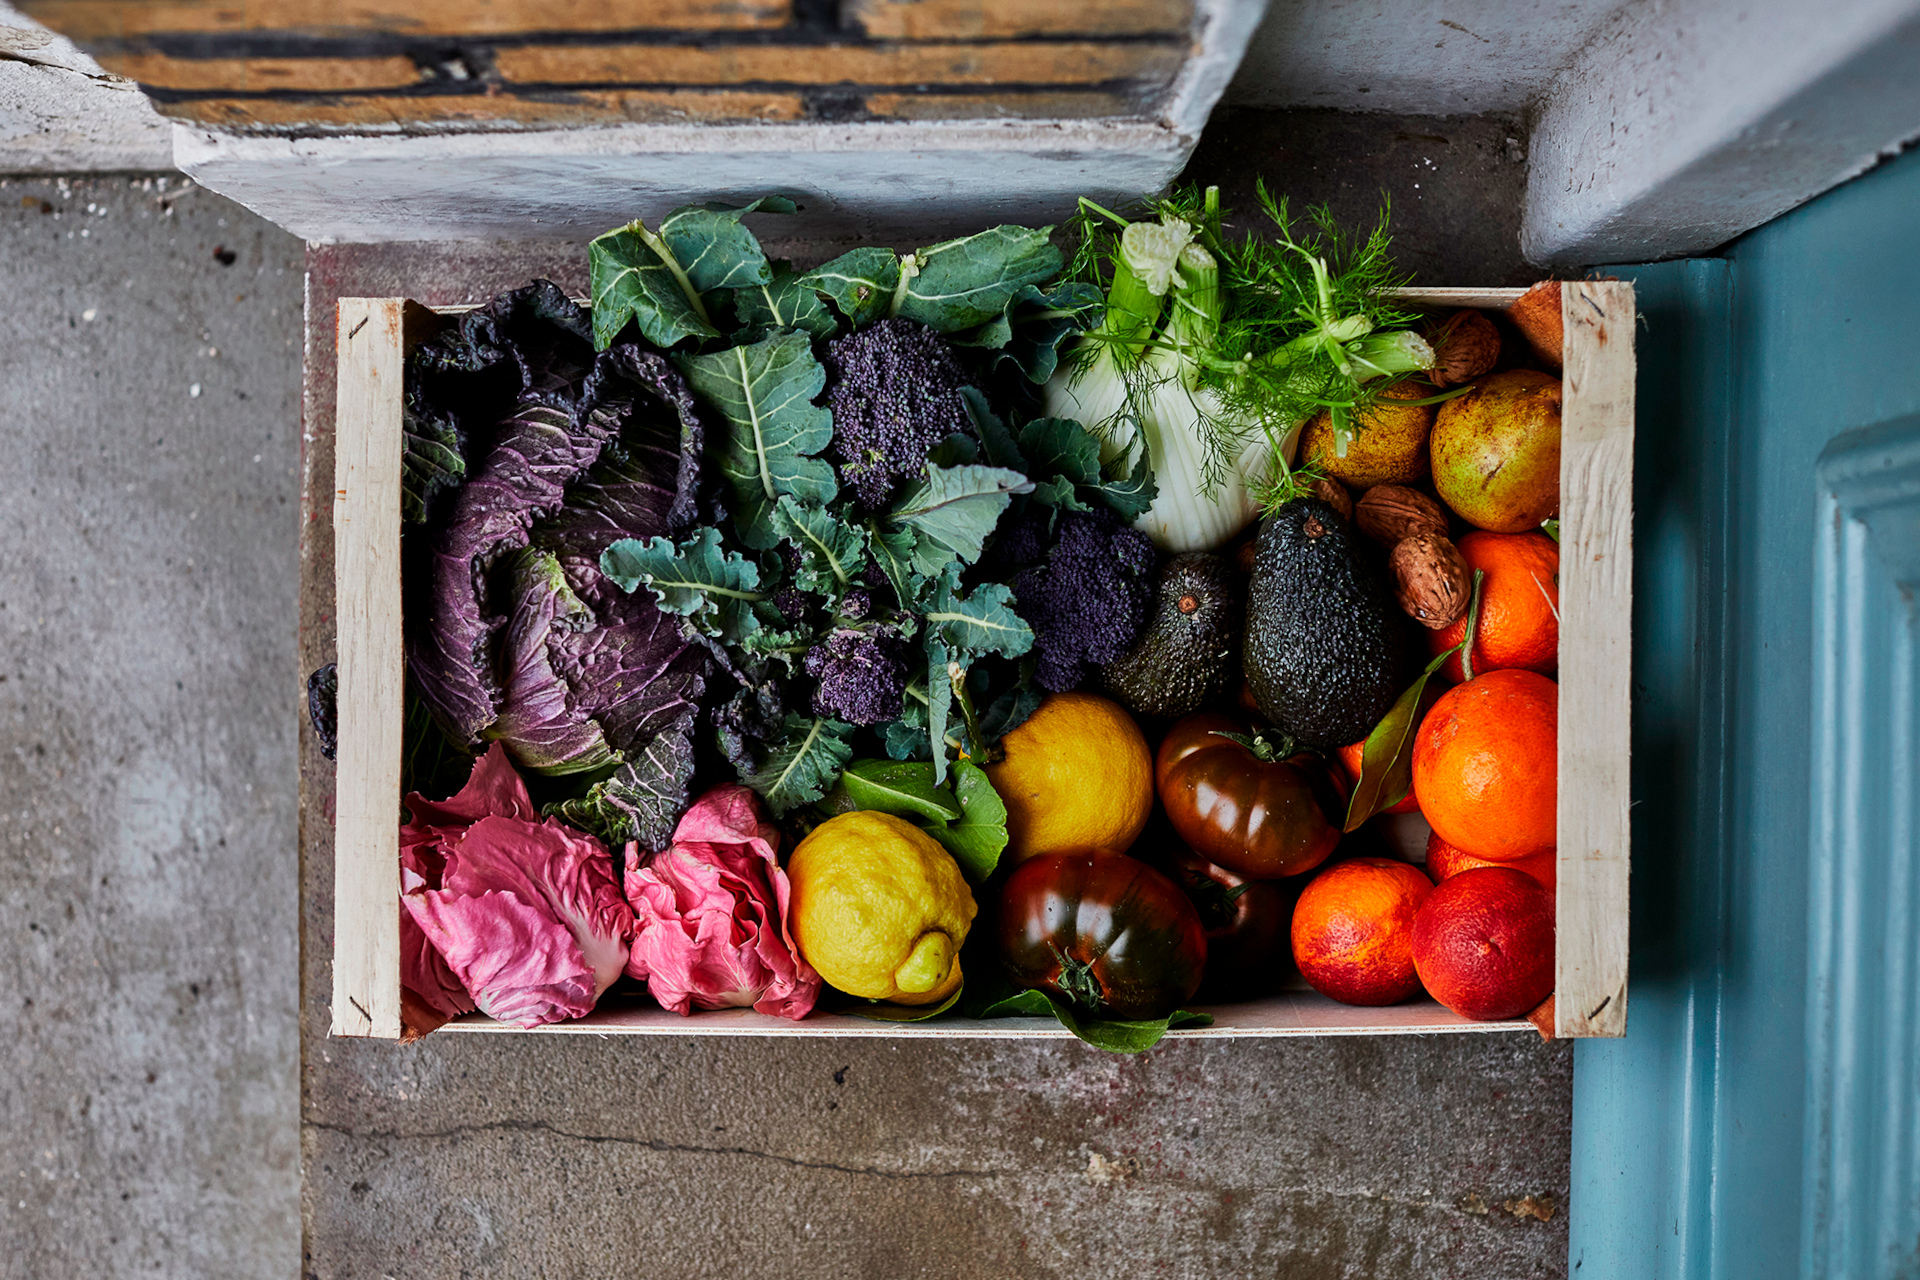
(862, 674)
(1089, 600)
(894, 389)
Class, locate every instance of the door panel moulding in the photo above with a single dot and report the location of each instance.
(1861, 1199)
(860, 180)
(1682, 126)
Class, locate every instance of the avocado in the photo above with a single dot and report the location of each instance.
(1185, 657)
(1327, 650)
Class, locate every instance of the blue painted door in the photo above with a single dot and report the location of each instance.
(1762, 1116)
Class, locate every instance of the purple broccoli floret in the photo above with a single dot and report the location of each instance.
(862, 674)
(894, 389)
(1089, 601)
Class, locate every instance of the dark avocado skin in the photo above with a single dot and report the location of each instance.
(1183, 661)
(1327, 650)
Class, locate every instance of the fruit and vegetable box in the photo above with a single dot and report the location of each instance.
(1168, 623)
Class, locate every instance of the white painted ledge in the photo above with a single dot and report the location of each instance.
(1683, 125)
(60, 113)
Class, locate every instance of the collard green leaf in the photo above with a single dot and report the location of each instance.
(996, 442)
(631, 279)
(939, 701)
(905, 789)
(957, 507)
(1111, 1035)
(964, 283)
(861, 283)
(712, 588)
(892, 550)
(831, 553)
(978, 835)
(956, 450)
(1130, 495)
(1061, 447)
(906, 738)
(803, 764)
(644, 798)
(713, 249)
(785, 302)
(1035, 324)
(765, 391)
(977, 623)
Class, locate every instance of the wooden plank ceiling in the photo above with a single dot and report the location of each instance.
(293, 66)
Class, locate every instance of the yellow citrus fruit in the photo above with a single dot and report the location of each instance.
(879, 909)
(1077, 776)
(1390, 447)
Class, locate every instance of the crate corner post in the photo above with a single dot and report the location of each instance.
(366, 528)
(1596, 658)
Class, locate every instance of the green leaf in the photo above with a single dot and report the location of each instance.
(1386, 763)
(831, 553)
(978, 834)
(1130, 496)
(643, 799)
(810, 755)
(980, 622)
(906, 740)
(713, 589)
(1113, 1035)
(995, 440)
(765, 392)
(1034, 325)
(861, 283)
(1551, 528)
(785, 302)
(630, 279)
(903, 788)
(713, 248)
(892, 550)
(1061, 447)
(961, 284)
(957, 507)
(939, 701)
(882, 1011)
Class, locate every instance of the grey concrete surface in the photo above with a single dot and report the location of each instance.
(60, 113)
(149, 424)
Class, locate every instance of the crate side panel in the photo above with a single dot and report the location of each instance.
(1596, 659)
(366, 525)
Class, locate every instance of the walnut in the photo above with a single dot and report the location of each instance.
(1334, 494)
(1389, 512)
(1465, 346)
(1431, 581)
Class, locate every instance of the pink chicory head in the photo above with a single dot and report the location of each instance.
(524, 913)
(711, 914)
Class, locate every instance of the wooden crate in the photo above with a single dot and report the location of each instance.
(1596, 607)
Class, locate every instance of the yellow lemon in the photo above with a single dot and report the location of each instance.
(1390, 447)
(879, 909)
(1077, 776)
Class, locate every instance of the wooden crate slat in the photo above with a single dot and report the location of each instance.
(1596, 658)
(366, 539)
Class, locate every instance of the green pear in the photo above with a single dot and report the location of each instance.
(1496, 451)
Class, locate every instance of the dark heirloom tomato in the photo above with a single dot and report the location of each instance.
(1249, 927)
(1262, 817)
(1104, 932)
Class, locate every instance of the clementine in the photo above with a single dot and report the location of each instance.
(1485, 766)
(1353, 930)
(1483, 944)
(1519, 623)
(1443, 861)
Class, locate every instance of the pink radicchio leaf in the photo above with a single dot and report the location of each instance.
(525, 914)
(430, 996)
(711, 914)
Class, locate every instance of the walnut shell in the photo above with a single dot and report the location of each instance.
(1389, 513)
(1430, 580)
(1465, 346)
(1334, 494)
